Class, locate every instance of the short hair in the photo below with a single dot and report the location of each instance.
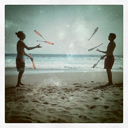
(20, 34)
(113, 35)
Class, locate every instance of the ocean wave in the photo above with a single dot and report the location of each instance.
(77, 63)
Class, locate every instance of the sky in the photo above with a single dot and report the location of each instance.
(68, 26)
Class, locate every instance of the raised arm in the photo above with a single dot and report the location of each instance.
(30, 48)
(101, 51)
(105, 52)
(109, 51)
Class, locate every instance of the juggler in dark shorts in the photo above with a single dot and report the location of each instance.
(20, 63)
(108, 63)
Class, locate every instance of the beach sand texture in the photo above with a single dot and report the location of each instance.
(64, 98)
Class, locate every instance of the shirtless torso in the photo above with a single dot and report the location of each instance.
(20, 47)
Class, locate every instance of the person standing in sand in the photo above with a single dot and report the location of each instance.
(109, 61)
(20, 62)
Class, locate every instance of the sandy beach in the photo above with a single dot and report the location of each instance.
(66, 97)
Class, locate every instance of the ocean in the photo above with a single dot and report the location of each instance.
(63, 63)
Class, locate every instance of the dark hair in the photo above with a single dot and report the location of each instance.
(20, 34)
(113, 35)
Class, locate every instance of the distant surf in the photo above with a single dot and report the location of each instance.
(64, 62)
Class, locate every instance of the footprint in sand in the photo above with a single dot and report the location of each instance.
(83, 117)
(106, 106)
(96, 98)
(91, 107)
(45, 102)
(51, 110)
(53, 104)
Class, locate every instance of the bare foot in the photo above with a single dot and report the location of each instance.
(17, 85)
(108, 84)
(21, 84)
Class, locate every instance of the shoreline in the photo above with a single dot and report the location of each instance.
(63, 78)
(13, 71)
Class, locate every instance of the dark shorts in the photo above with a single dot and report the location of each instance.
(20, 63)
(109, 61)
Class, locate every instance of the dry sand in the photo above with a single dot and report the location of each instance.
(64, 98)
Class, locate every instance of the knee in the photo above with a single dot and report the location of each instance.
(108, 70)
(21, 72)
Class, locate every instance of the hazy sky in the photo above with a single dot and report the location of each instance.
(68, 26)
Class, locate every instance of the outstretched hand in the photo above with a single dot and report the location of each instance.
(38, 46)
(102, 57)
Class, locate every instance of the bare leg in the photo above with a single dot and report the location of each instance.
(109, 73)
(19, 79)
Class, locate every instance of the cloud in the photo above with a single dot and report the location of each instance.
(9, 24)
